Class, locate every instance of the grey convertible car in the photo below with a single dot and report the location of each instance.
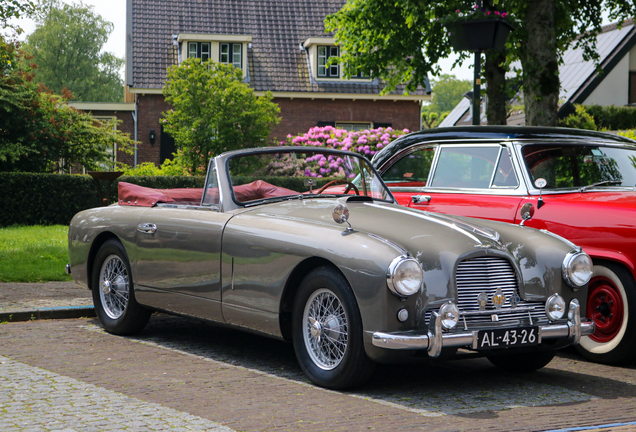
(308, 245)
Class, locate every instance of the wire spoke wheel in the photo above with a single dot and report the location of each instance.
(325, 329)
(114, 286)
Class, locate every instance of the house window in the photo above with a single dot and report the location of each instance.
(199, 50)
(324, 53)
(353, 126)
(231, 54)
(632, 88)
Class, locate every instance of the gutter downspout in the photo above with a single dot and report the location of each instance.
(134, 116)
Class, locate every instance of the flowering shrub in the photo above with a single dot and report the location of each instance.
(367, 143)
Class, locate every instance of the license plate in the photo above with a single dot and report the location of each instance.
(506, 338)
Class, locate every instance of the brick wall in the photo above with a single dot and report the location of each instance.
(298, 115)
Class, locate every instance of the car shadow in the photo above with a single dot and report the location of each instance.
(467, 387)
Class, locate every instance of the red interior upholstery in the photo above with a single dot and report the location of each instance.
(135, 195)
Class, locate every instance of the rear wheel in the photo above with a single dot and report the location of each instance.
(522, 362)
(327, 332)
(113, 293)
(610, 304)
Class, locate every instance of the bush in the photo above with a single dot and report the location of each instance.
(613, 117)
(50, 199)
(581, 119)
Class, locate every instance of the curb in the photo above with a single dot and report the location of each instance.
(64, 312)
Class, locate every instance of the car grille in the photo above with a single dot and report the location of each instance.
(486, 274)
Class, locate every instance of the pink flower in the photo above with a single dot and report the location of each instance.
(497, 13)
(505, 14)
(487, 13)
(457, 11)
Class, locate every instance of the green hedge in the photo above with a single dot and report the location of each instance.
(613, 117)
(50, 199)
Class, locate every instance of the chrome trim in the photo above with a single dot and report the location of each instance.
(417, 199)
(390, 275)
(148, 228)
(567, 261)
(67, 269)
(434, 340)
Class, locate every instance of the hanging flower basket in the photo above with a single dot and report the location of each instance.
(479, 35)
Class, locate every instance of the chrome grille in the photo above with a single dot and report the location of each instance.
(486, 274)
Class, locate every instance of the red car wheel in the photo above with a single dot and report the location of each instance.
(605, 308)
(610, 304)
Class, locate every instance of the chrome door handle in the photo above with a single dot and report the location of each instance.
(148, 228)
(418, 199)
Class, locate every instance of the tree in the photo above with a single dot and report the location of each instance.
(14, 9)
(401, 41)
(66, 45)
(214, 111)
(39, 132)
(447, 92)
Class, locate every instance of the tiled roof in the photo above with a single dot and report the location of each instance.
(277, 28)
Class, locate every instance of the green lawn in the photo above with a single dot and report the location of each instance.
(33, 253)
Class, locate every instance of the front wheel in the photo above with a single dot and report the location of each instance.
(522, 362)
(113, 294)
(327, 332)
(610, 304)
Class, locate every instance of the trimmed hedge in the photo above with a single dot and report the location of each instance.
(50, 199)
(613, 117)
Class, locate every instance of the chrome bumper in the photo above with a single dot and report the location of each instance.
(435, 339)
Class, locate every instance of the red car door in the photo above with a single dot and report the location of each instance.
(468, 180)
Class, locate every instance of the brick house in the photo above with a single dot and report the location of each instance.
(280, 45)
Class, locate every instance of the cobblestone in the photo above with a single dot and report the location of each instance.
(33, 399)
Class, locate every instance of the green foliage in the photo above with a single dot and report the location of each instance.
(66, 46)
(401, 41)
(170, 167)
(49, 199)
(447, 92)
(214, 111)
(432, 120)
(33, 254)
(613, 117)
(39, 132)
(14, 9)
(581, 119)
(631, 134)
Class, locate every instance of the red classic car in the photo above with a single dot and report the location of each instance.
(580, 185)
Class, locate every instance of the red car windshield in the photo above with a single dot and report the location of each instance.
(573, 166)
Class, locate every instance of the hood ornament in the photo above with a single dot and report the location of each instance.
(341, 215)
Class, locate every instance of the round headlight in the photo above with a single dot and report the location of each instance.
(577, 268)
(405, 276)
(555, 307)
(449, 314)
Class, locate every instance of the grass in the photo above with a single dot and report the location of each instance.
(33, 253)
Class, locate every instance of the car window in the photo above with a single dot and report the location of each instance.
(466, 167)
(505, 175)
(411, 170)
(567, 166)
(211, 195)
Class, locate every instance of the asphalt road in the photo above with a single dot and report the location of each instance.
(185, 375)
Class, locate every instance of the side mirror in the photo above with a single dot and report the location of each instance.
(341, 215)
(540, 184)
(527, 211)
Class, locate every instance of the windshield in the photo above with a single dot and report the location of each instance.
(574, 166)
(285, 173)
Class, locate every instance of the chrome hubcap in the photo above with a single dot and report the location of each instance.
(325, 329)
(114, 283)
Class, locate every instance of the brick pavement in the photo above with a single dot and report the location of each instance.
(156, 369)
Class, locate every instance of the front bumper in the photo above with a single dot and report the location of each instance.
(435, 339)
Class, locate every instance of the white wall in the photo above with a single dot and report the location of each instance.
(613, 89)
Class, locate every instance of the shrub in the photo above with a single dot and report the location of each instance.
(613, 117)
(367, 143)
(49, 199)
(581, 119)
